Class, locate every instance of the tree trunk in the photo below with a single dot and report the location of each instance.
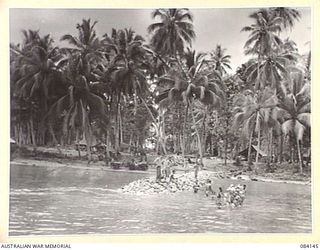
(120, 126)
(77, 141)
(198, 135)
(156, 125)
(135, 100)
(225, 151)
(54, 139)
(130, 140)
(258, 69)
(20, 134)
(33, 137)
(259, 135)
(117, 130)
(163, 127)
(226, 143)
(183, 142)
(179, 130)
(300, 156)
(281, 148)
(249, 148)
(88, 137)
(204, 130)
(269, 147)
(292, 149)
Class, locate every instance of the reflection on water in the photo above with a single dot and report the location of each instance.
(58, 201)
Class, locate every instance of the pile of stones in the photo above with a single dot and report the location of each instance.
(180, 183)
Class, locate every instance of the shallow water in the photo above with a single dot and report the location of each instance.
(59, 201)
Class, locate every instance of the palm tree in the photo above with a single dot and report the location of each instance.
(288, 16)
(173, 32)
(79, 105)
(252, 112)
(130, 62)
(293, 109)
(288, 46)
(127, 69)
(196, 82)
(82, 59)
(220, 61)
(263, 38)
(87, 45)
(37, 71)
(272, 69)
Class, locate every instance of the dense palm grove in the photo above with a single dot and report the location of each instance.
(123, 91)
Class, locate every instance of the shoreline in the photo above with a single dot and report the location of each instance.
(54, 163)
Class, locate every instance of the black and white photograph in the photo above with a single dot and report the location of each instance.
(160, 121)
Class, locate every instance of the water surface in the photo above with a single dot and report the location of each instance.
(60, 201)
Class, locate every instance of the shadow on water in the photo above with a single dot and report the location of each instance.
(59, 201)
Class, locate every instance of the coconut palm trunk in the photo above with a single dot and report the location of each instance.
(269, 150)
(162, 142)
(204, 128)
(89, 144)
(259, 142)
(225, 150)
(183, 146)
(281, 148)
(198, 135)
(77, 141)
(54, 139)
(226, 143)
(249, 148)
(33, 136)
(300, 156)
(117, 125)
(163, 127)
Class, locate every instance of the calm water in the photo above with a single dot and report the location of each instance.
(58, 201)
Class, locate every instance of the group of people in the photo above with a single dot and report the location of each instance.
(234, 195)
(165, 175)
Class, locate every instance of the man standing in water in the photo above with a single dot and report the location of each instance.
(208, 188)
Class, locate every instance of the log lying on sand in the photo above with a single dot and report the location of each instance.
(180, 183)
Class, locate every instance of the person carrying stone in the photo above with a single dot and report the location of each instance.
(220, 197)
(196, 187)
(208, 188)
(172, 177)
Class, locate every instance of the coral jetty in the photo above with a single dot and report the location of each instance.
(179, 183)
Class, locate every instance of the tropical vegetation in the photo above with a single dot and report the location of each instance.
(127, 92)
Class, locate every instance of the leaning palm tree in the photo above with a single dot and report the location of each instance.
(293, 109)
(173, 32)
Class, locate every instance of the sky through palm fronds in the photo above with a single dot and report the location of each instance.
(212, 26)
